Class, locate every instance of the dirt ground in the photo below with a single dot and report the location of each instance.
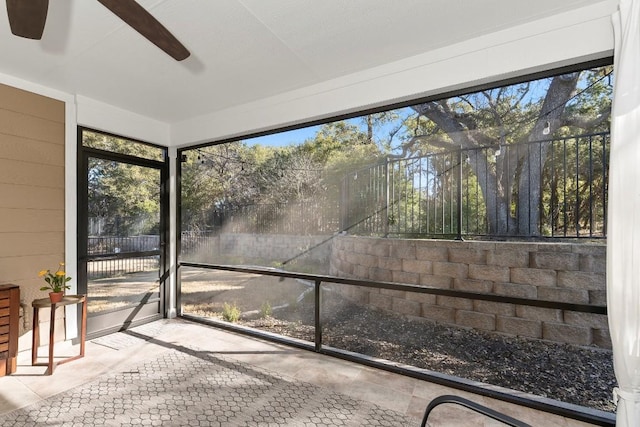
(205, 292)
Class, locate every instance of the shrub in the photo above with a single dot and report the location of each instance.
(230, 312)
(266, 310)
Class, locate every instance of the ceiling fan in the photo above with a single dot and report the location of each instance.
(27, 19)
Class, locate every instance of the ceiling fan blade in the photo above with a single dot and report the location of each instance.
(140, 20)
(27, 18)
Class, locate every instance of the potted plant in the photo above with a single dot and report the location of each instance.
(56, 283)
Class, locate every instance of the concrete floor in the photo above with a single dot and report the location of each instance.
(124, 368)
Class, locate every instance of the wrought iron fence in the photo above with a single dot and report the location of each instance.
(550, 188)
(111, 267)
(112, 255)
(193, 241)
(117, 244)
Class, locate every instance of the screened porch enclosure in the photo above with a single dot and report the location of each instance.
(313, 241)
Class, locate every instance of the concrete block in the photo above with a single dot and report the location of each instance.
(598, 297)
(593, 264)
(421, 298)
(432, 253)
(533, 276)
(561, 332)
(347, 243)
(457, 303)
(417, 266)
(476, 320)
(517, 247)
(564, 261)
(493, 273)
(576, 296)
(467, 256)
(360, 271)
(379, 248)
(508, 258)
(518, 326)
(481, 246)
(470, 285)
(333, 271)
(601, 338)
(441, 282)
(492, 307)
(380, 275)
(361, 246)
(351, 258)
(555, 247)
(515, 290)
(403, 277)
(406, 307)
(403, 249)
(539, 313)
(384, 302)
(390, 263)
(439, 314)
(366, 260)
(597, 249)
(450, 269)
(588, 320)
(347, 269)
(581, 280)
(393, 293)
(357, 294)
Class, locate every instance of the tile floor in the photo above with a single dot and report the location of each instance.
(110, 361)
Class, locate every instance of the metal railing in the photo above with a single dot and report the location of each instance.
(113, 265)
(317, 345)
(117, 244)
(549, 188)
(110, 256)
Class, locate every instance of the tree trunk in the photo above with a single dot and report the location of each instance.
(534, 158)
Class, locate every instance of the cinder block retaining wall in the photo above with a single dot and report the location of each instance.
(548, 271)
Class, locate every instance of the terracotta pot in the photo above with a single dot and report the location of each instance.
(56, 297)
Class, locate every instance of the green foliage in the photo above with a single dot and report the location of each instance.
(266, 310)
(125, 197)
(57, 281)
(231, 312)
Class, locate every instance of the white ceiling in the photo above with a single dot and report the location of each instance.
(242, 50)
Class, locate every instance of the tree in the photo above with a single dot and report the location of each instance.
(494, 120)
(217, 178)
(124, 197)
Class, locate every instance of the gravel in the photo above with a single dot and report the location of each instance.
(568, 373)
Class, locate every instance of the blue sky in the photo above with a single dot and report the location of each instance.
(285, 138)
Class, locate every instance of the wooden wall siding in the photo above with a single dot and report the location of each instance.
(32, 233)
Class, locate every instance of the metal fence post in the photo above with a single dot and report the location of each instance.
(317, 318)
(459, 197)
(386, 197)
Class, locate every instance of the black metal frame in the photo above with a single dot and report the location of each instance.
(546, 405)
(476, 407)
(83, 155)
(435, 377)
